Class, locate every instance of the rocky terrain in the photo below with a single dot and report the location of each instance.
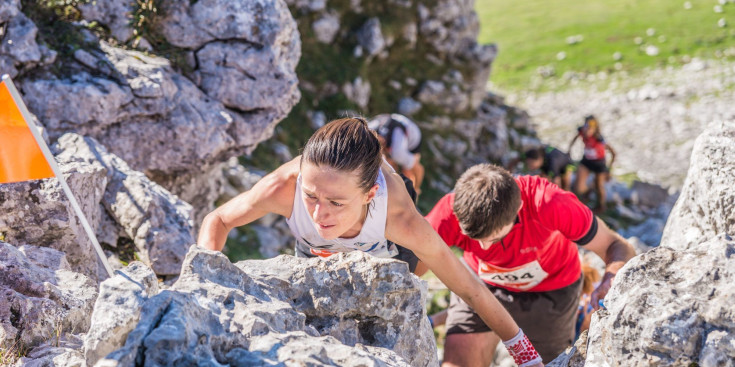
(147, 119)
(651, 120)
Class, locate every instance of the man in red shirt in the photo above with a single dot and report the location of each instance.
(518, 236)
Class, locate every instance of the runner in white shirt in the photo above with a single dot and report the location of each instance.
(401, 141)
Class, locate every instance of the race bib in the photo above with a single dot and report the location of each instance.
(591, 153)
(522, 277)
(321, 253)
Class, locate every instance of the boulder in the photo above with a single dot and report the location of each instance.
(117, 309)
(116, 200)
(706, 206)
(158, 222)
(38, 213)
(41, 298)
(667, 307)
(351, 310)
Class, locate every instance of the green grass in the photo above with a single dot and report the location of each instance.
(531, 33)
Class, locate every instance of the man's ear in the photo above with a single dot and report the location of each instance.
(520, 207)
(371, 193)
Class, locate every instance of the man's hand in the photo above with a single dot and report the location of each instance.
(601, 291)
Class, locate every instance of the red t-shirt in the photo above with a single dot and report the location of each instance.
(594, 149)
(538, 254)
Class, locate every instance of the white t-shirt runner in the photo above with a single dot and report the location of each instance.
(370, 240)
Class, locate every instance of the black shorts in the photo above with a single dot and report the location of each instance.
(548, 318)
(596, 166)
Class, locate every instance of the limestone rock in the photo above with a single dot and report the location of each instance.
(38, 213)
(706, 206)
(158, 222)
(117, 309)
(115, 14)
(326, 28)
(62, 351)
(371, 38)
(351, 310)
(667, 307)
(18, 48)
(40, 296)
(240, 81)
(114, 198)
(358, 91)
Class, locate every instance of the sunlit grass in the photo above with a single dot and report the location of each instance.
(533, 33)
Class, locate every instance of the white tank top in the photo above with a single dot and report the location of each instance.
(372, 235)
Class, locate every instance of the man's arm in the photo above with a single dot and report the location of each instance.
(615, 251)
(274, 193)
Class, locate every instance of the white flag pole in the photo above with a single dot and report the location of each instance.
(55, 167)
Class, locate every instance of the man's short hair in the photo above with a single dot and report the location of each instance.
(486, 199)
(535, 153)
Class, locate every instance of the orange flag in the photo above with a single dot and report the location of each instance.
(21, 158)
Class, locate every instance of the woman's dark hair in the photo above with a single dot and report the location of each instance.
(347, 145)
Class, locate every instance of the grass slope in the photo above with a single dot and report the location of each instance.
(531, 33)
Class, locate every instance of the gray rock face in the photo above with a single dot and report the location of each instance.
(706, 206)
(116, 14)
(40, 296)
(156, 120)
(19, 49)
(117, 310)
(326, 28)
(371, 38)
(158, 222)
(38, 213)
(114, 198)
(669, 307)
(240, 81)
(351, 310)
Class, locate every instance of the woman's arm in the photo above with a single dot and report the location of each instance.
(274, 193)
(408, 228)
(612, 155)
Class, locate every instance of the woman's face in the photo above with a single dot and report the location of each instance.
(334, 200)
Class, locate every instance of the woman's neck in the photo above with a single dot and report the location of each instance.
(355, 230)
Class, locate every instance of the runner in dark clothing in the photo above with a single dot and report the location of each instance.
(553, 164)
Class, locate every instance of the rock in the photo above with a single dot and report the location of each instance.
(706, 206)
(40, 296)
(317, 119)
(370, 37)
(115, 14)
(240, 60)
(668, 307)
(158, 222)
(358, 92)
(18, 48)
(38, 213)
(408, 106)
(345, 310)
(437, 93)
(117, 310)
(648, 195)
(326, 28)
(62, 351)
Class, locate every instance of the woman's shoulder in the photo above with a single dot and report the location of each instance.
(278, 188)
